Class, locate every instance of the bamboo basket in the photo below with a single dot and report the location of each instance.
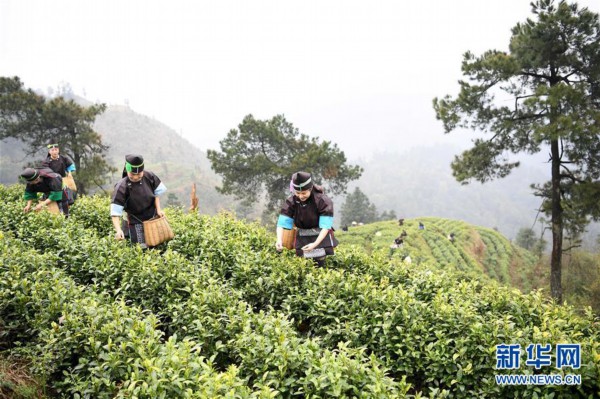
(52, 207)
(289, 238)
(157, 230)
(70, 182)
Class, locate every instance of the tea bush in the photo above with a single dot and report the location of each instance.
(218, 312)
(88, 345)
(141, 277)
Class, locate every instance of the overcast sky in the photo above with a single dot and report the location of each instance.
(359, 73)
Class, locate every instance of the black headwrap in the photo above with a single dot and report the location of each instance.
(134, 163)
(30, 174)
(302, 181)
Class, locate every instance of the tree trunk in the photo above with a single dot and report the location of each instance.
(557, 226)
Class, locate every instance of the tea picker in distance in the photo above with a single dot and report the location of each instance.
(398, 242)
(311, 211)
(47, 182)
(137, 193)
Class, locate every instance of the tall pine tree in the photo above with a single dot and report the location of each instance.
(541, 95)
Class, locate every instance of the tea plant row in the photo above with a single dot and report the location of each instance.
(262, 346)
(357, 327)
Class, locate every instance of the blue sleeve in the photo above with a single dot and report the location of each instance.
(71, 168)
(325, 222)
(286, 222)
(160, 189)
(116, 210)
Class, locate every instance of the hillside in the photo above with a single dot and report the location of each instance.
(420, 182)
(217, 312)
(174, 159)
(178, 163)
(475, 250)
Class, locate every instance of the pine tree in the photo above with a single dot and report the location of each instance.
(542, 95)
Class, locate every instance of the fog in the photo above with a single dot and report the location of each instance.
(360, 74)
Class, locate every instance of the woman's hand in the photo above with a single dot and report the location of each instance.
(309, 247)
(314, 245)
(159, 211)
(42, 204)
(116, 221)
(27, 208)
(279, 242)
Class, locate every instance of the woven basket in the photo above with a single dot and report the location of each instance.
(70, 182)
(289, 238)
(52, 207)
(157, 231)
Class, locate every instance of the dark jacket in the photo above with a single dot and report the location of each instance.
(306, 214)
(137, 198)
(50, 185)
(59, 165)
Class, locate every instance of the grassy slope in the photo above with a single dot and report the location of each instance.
(475, 250)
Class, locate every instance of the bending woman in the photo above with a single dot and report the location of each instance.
(311, 211)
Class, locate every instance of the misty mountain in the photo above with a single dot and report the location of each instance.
(175, 160)
(129, 132)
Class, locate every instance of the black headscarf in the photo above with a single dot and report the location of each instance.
(133, 163)
(302, 181)
(30, 174)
